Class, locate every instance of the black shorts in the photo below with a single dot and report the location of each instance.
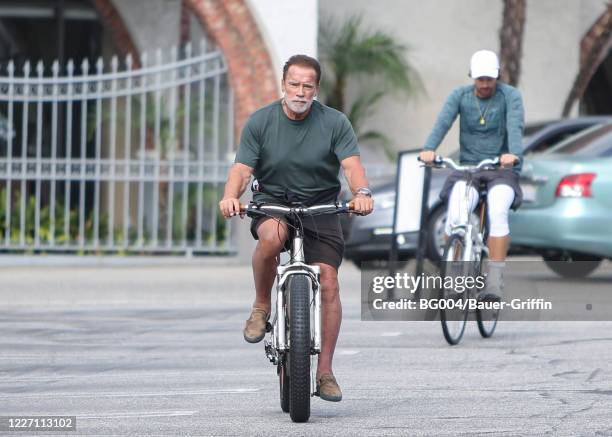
(323, 240)
(489, 178)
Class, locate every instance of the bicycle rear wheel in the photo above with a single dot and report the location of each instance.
(298, 300)
(454, 316)
(486, 318)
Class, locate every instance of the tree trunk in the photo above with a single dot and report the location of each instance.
(511, 40)
(336, 99)
(594, 47)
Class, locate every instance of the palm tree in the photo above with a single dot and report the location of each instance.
(511, 40)
(350, 51)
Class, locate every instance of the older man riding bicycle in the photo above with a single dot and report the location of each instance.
(295, 148)
(491, 125)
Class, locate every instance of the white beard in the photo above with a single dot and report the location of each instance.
(297, 108)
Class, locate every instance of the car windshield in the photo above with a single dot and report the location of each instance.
(586, 142)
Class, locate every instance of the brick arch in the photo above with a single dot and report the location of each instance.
(114, 23)
(234, 30)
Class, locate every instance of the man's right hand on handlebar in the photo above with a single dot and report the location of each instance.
(427, 156)
(229, 207)
(508, 160)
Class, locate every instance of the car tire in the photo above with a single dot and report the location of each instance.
(571, 264)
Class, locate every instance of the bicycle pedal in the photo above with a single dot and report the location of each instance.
(268, 327)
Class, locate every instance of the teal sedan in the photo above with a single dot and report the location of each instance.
(566, 215)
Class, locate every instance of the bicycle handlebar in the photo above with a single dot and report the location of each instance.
(333, 208)
(485, 164)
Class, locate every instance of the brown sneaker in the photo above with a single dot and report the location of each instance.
(328, 389)
(255, 328)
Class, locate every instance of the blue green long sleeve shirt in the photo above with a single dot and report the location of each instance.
(501, 133)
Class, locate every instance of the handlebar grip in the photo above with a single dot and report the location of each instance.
(436, 160)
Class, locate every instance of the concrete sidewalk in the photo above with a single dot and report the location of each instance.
(163, 285)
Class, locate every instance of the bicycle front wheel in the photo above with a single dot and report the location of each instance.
(453, 302)
(298, 299)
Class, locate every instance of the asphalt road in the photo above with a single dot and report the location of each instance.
(158, 350)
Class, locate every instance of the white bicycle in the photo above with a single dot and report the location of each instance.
(295, 328)
(463, 257)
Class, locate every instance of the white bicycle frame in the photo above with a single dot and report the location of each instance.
(295, 266)
(469, 230)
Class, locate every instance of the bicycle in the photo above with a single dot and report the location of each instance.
(463, 256)
(295, 330)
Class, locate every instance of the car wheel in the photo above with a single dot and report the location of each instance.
(571, 264)
(435, 234)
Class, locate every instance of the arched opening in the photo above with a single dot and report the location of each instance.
(597, 99)
(595, 48)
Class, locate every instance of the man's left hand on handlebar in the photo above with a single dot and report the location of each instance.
(427, 156)
(362, 204)
(508, 160)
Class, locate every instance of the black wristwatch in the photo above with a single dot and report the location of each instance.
(364, 191)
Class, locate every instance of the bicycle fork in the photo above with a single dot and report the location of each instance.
(279, 341)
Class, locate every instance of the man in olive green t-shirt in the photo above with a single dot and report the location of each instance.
(295, 148)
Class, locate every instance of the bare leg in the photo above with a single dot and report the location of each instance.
(331, 317)
(272, 236)
(498, 247)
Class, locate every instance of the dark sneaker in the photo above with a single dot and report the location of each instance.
(255, 328)
(328, 389)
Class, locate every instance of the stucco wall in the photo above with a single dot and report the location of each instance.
(288, 28)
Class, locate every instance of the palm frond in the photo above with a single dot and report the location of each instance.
(352, 50)
(363, 107)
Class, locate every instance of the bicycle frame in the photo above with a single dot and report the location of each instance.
(298, 310)
(474, 240)
(297, 266)
(472, 233)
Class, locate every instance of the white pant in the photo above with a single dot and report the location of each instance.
(499, 201)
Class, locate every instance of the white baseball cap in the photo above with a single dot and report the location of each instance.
(484, 63)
